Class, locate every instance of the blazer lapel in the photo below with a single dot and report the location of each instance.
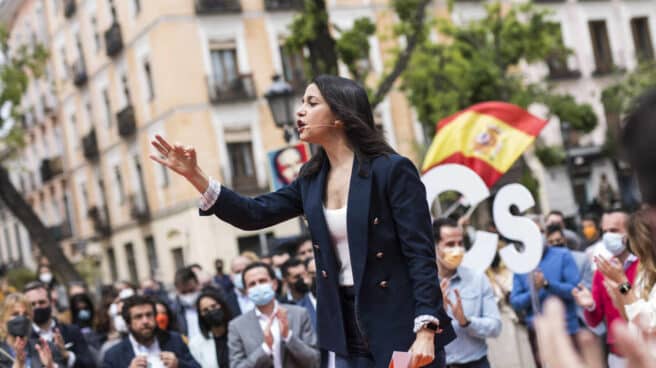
(316, 218)
(357, 218)
(253, 328)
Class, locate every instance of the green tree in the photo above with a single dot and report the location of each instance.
(617, 98)
(482, 61)
(17, 68)
(311, 30)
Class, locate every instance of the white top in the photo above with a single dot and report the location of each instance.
(191, 315)
(336, 221)
(151, 352)
(647, 308)
(275, 331)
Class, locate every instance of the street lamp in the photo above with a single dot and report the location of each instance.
(281, 99)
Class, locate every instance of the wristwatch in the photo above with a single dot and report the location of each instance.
(432, 326)
(624, 288)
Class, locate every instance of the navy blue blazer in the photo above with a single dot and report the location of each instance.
(391, 246)
(306, 303)
(121, 354)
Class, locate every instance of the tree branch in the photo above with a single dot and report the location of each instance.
(404, 57)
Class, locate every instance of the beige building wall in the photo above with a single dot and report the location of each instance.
(176, 42)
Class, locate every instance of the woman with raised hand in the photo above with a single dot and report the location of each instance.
(377, 284)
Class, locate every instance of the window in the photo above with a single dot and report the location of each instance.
(292, 67)
(152, 255)
(64, 63)
(255, 243)
(132, 263)
(96, 34)
(111, 258)
(74, 131)
(112, 9)
(137, 7)
(642, 38)
(7, 244)
(118, 178)
(19, 243)
(89, 112)
(84, 199)
(224, 66)
(126, 88)
(149, 80)
(242, 165)
(601, 47)
(178, 258)
(108, 108)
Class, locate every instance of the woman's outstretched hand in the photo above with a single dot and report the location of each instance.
(181, 160)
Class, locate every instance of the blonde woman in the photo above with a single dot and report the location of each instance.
(18, 349)
(638, 299)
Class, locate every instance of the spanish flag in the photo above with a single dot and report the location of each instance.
(487, 137)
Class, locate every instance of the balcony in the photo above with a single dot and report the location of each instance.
(241, 88)
(69, 8)
(273, 5)
(100, 219)
(217, 6)
(127, 124)
(90, 145)
(79, 73)
(139, 210)
(113, 40)
(51, 167)
(61, 231)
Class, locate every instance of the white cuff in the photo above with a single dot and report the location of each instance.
(289, 337)
(210, 196)
(266, 349)
(423, 320)
(71, 359)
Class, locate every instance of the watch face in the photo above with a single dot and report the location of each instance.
(432, 326)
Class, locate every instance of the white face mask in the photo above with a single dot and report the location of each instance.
(120, 325)
(188, 300)
(46, 277)
(614, 243)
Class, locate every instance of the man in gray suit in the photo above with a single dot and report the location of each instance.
(271, 335)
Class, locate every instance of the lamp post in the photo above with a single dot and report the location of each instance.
(280, 97)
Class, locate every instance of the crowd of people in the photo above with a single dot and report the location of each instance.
(591, 302)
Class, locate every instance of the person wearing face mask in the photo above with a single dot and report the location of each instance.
(56, 290)
(165, 318)
(18, 349)
(210, 348)
(294, 275)
(68, 339)
(556, 276)
(309, 301)
(469, 298)
(236, 296)
(119, 329)
(286, 337)
(597, 303)
(187, 290)
(82, 316)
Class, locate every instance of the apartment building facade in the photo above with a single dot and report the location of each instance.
(121, 71)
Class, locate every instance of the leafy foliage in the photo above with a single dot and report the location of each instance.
(617, 98)
(353, 48)
(482, 62)
(550, 156)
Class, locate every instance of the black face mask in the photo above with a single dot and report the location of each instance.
(19, 326)
(300, 286)
(42, 315)
(214, 318)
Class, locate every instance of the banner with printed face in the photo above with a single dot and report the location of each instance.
(285, 164)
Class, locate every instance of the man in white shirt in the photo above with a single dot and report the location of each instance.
(146, 346)
(270, 335)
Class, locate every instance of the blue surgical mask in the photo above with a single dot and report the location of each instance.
(614, 243)
(261, 294)
(84, 315)
(238, 281)
(278, 273)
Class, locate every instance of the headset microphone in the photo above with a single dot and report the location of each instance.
(319, 125)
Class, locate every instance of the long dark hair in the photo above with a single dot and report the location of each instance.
(173, 321)
(349, 103)
(86, 299)
(227, 314)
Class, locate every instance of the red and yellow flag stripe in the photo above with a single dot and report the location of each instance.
(487, 137)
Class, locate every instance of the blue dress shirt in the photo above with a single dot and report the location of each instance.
(562, 275)
(481, 310)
